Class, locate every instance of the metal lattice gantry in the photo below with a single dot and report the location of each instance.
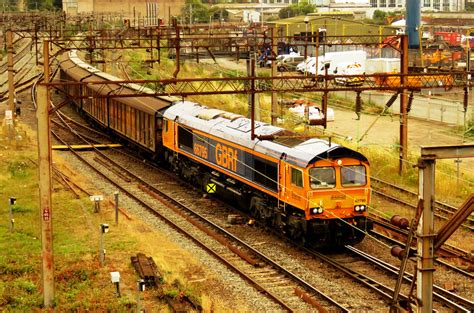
(291, 83)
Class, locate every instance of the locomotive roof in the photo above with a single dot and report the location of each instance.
(236, 128)
(81, 71)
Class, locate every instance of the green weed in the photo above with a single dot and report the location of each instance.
(16, 268)
(16, 209)
(19, 169)
(26, 285)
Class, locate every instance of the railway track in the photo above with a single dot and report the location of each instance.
(265, 274)
(447, 298)
(441, 295)
(380, 288)
(346, 263)
(442, 210)
(369, 282)
(24, 76)
(462, 257)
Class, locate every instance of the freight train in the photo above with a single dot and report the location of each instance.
(309, 189)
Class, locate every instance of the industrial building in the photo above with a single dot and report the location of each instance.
(143, 10)
(385, 5)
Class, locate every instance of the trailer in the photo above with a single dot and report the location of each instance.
(383, 65)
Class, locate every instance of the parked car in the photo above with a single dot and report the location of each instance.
(289, 62)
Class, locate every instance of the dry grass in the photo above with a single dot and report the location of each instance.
(80, 282)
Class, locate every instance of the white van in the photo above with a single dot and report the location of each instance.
(317, 69)
(314, 113)
(304, 66)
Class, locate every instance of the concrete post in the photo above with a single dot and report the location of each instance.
(45, 183)
(101, 246)
(11, 73)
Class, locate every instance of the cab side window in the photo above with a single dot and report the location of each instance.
(296, 177)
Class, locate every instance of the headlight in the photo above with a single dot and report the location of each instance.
(357, 208)
(360, 208)
(320, 210)
(317, 210)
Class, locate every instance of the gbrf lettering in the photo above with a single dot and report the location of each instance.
(226, 157)
(200, 150)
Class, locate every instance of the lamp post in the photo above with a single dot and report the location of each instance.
(115, 278)
(140, 288)
(104, 228)
(11, 202)
(306, 21)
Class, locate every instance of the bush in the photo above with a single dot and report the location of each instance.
(18, 169)
(470, 129)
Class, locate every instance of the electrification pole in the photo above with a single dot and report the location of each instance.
(11, 85)
(403, 106)
(45, 182)
(274, 72)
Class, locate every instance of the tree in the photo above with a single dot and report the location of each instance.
(195, 10)
(218, 14)
(297, 9)
(38, 5)
(379, 17)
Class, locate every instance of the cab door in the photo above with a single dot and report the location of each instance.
(295, 187)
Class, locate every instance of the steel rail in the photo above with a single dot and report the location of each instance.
(373, 284)
(437, 260)
(439, 206)
(262, 256)
(440, 294)
(447, 207)
(178, 228)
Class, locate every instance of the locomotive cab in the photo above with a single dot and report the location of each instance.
(341, 186)
(331, 195)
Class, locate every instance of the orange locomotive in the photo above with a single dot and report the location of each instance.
(311, 190)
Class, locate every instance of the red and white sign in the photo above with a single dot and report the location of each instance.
(46, 215)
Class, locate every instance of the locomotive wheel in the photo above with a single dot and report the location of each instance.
(254, 211)
(204, 181)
